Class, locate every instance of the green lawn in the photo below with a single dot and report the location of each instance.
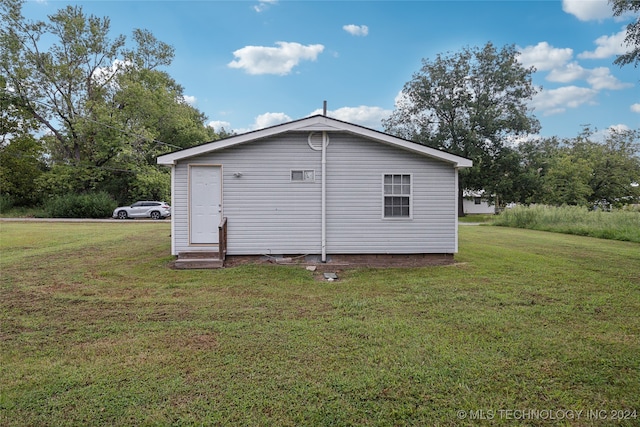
(96, 330)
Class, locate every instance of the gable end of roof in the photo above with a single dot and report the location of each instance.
(317, 123)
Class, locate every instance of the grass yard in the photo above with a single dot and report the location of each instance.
(528, 328)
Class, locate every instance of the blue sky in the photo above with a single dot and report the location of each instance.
(252, 64)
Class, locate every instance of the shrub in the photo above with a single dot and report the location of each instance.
(6, 203)
(90, 205)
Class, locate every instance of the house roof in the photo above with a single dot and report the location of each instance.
(317, 123)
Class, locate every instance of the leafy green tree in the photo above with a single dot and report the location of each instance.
(632, 38)
(21, 164)
(21, 155)
(614, 163)
(471, 103)
(535, 159)
(581, 170)
(105, 106)
(567, 181)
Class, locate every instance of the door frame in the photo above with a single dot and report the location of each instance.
(189, 191)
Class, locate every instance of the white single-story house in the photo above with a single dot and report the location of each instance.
(476, 202)
(314, 186)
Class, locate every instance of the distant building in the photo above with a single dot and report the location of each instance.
(475, 202)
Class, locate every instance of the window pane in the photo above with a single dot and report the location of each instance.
(396, 207)
(397, 192)
(297, 175)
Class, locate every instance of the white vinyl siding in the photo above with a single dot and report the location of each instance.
(269, 213)
(355, 225)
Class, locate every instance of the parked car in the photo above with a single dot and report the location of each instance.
(143, 209)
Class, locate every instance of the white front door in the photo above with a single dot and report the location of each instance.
(205, 203)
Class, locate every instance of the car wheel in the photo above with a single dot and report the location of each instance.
(155, 215)
(122, 215)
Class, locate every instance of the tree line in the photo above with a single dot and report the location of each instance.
(81, 112)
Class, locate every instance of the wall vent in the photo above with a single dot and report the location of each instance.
(315, 141)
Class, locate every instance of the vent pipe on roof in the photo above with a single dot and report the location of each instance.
(324, 108)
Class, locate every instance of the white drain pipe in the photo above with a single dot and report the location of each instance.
(324, 196)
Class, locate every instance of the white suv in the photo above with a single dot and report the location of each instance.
(144, 209)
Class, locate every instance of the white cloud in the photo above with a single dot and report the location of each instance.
(544, 56)
(274, 60)
(260, 122)
(607, 46)
(556, 101)
(188, 99)
(264, 5)
(269, 119)
(635, 108)
(363, 115)
(567, 73)
(104, 75)
(356, 30)
(601, 135)
(619, 128)
(218, 125)
(587, 10)
(601, 78)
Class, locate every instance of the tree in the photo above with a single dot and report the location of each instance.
(535, 158)
(632, 38)
(105, 107)
(21, 155)
(567, 181)
(614, 163)
(471, 103)
(580, 170)
(58, 84)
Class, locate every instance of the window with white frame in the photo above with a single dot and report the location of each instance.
(303, 175)
(397, 196)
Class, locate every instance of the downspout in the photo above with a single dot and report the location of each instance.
(173, 203)
(324, 197)
(456, 209)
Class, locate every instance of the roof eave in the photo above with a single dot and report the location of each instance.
(316, 123)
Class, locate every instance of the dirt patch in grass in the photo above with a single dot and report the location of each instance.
(346, 261)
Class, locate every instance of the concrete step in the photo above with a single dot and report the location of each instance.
(198, 263)
(198, 255)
